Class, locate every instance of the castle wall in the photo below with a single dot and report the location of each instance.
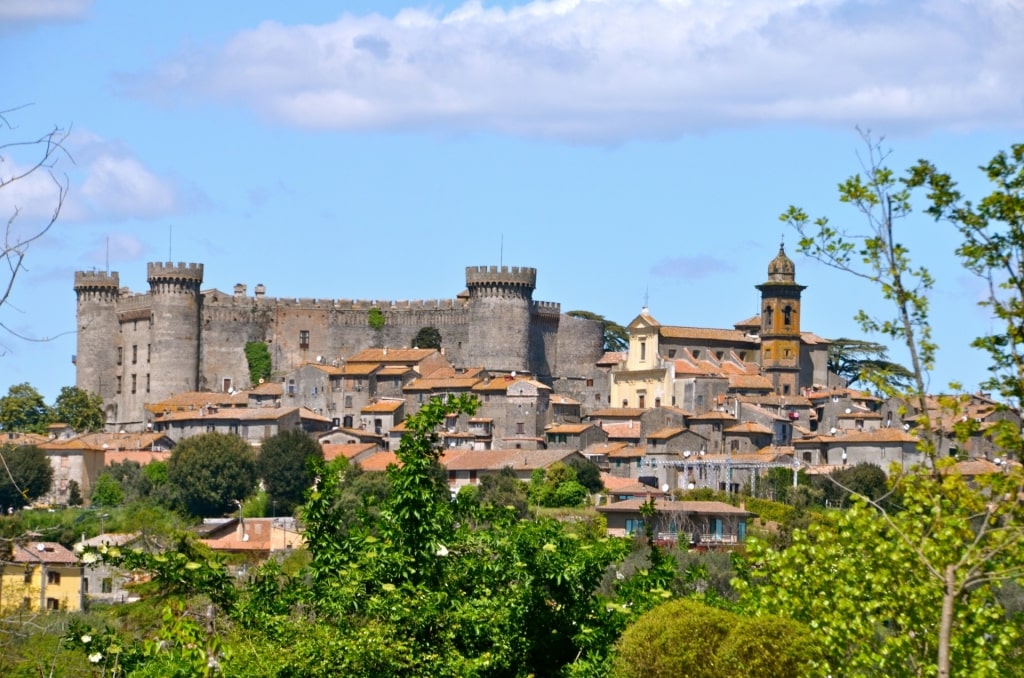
(175, 338)
(580, 345)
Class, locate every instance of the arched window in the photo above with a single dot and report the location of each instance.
(787, 315)
(768, 317)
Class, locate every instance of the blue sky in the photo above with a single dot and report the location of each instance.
(629, 150)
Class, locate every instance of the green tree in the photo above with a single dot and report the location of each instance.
(557, 486)
(616, 337)
(212, 472)
(25, 475)
(283, 465)
(864, 479)
(427, 337)
(107, 491)
(862, 361)
(504, 489)
(257, 356)
(23, 409)
(74, 493)
(79, 409)
(958, 540)
(587, 474)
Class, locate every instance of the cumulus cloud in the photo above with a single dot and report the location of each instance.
(603, 71)
(111, 184)
(691, 268)
(28, 12)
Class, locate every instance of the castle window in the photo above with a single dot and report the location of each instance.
(520, 428)
(149, 352)
(135, 353)
(118, 384)
(767, 317)
(133, 383)
(303, 338)
(787, 316)
(671, 353)
(597, 397)
(147, 383)
(120, 355)
(590, 382)
(785, 389)
(785, 352)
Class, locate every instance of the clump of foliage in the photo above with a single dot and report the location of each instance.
(212, 472)
(79, 409)
(107, 491)
(557, 486)
(616, 337)
(685, 638)
(23, 409)
(427, 337)
(283, 465)
(25, 475)
(257, 356)
(376, 318)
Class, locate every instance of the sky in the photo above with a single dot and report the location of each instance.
(635, 152)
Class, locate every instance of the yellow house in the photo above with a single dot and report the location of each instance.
(39, 576)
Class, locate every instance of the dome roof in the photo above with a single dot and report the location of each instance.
(781, 267)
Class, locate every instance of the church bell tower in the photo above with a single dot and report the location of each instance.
(780, 325)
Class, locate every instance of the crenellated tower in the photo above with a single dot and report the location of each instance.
(780, 325)
(172, 356)
(97, 293)
(500, 309)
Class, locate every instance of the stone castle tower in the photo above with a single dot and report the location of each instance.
(500, 306)
(780, 325)
(135, 349)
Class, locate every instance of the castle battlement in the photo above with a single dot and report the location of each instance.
(171, 272)
(547, 308)
(96, 280)
(134, 301)
(501, 275)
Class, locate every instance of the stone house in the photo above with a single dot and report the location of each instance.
(254, 425)
(574, 436)
(466, 467)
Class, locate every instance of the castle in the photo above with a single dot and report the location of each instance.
(139, 348)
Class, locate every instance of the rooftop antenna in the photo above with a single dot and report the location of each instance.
(647, 294)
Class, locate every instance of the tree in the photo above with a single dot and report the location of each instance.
(952, 543)
(23, 409)
(557, 486)
(257, 356)
(858, 360)
(427, 337)
(79, 409)
(74, 493)
(505, 489)
(107, 491)
(864, 479)
(25, 475)
(211, 472)
(283, 465)
(23, 229)
(588, 474)
(376, 318)
(616, 337)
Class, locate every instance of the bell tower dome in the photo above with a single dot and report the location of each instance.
(780, 324)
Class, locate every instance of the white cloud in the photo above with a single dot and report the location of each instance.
(606, 71)
(111, 184)
(42, 11)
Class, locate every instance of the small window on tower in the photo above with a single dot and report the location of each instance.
(303, 338)
(135, 353)
(118, 384)
(120, 355)
(787, 315)
(133, 383)
(643, 350)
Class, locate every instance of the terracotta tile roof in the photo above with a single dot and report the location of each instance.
(701, 507)
(49, 552)
(142, 457)
(812, 339)
(676, 410)
(604, 449)
(359, 369)
(243, 414)
(443, 384)
(18, 438)
(386, 406)
(110, 442)
(766, 455)
(559, 399)
(615, 483)
(753, 321)
(267, 388)
(882, 435)
(379, 461)
(395, 371)
(749, 427)
(707, 333)
(348, 450)
(666, 433)
(449, 372)
(635, 488)
(628, 452)
(392, 355)
(622, 430)
(713, 415)
(618, 413)
(572, 429)
(973, 467)
(612, 358)
(776, 400)
(194, 400)
(750, 381)
(859, 414)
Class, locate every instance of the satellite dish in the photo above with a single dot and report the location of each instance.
(665, 488)
(261, 380)
(690, 486)
(848, 410)
(906, 427)
(686, 454)
(832, 430)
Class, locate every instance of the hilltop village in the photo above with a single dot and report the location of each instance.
(685, 407)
